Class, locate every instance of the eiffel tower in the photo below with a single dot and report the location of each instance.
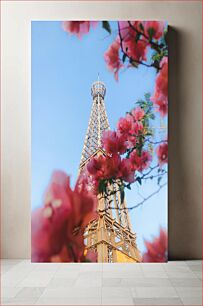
(110, 236)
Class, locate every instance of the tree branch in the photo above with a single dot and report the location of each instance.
(157, 46)
(127, 55)
(138, 204)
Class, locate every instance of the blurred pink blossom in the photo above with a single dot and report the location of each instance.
(58, 226)
(78, 28)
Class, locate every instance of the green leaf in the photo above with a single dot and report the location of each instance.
(151, 33)
(139, 180)
(147, 96)
(102, 186)
(128, 186)
(124, 57)
(156, 64)
(122, 194)
(166, 36)
(134, 63)
(141, 26)
(152, 116)
(137, 37)
(159, 180)
(106, 26)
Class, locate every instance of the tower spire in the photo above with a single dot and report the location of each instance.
(98, 121)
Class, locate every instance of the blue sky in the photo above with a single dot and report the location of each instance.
(63, 70)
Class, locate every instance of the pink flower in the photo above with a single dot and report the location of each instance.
(160, 97)
(111, 166)
(58, 226)
(78, 28)
(161, 102)
(162, 153)
(89, 182)
(104, 167)
(126, 171)
(124, 125)
(140, 162)
(156, 28)
(138, 113)
(112, 59)
(137, 127)
(128, 31)
(130, 127)
(95, 166)
(113, 143)
(162, 77)
(136, 50)
(157, 248)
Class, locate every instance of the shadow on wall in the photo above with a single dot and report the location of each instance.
(184, 179)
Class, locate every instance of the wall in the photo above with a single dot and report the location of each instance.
(184, 116)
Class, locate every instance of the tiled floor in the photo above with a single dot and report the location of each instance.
(174, 283)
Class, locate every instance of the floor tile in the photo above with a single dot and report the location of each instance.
(155, 274)
(177, 268)
(91, 267)
(193, 262)
(122, 274)
(189, 291)
(146, 282)
(36, 280)
(82, 292)
(112, 282)
(67, 273)
(9, 292)
(15, 275)
(69, 301)
(115, 292)
(154, 292)
(196, 268)
(61, 282)
(21, 301)
(157, 301)
(117, 301)
(198, 274)
(185, 282)
(192, 301)
(91, 282)
(30, 292)
(5, 268)
(153, 266)
(180, 274)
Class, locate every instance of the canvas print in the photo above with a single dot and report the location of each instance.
(99, 141)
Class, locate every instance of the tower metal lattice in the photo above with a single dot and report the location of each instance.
(111, 234)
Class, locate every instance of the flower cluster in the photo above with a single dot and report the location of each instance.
(160, 97)
(156, 249)
(112, 59)
(136, 49)
(58, 226)
(123, 155)
(78, 28)
(133, 41)
(105, 167)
